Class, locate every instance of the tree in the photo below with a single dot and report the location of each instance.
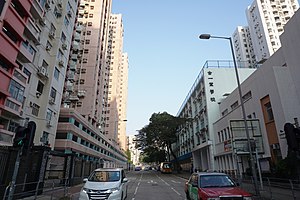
(160, 134)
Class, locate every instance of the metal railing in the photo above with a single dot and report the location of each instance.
(274, 188)
(35, 190)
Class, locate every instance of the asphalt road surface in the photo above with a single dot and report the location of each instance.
(152, 185)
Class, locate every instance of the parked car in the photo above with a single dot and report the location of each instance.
(105, 183)
(137, 168)
(213, 186)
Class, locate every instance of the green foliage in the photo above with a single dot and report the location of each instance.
(157, 137)
(128, 154)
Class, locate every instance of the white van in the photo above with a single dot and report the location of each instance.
(105, 183)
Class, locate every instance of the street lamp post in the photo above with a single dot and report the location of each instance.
(208, 36)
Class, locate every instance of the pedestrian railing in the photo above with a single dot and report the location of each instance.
(34, 190)
(274, 188)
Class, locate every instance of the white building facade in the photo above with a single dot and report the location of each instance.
(273, 99)
(196, 140)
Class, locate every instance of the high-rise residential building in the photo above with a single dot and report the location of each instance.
(85, 103)
(266, 20)
(243, 47)
(35, 40)
(87, 77)
(118, 81)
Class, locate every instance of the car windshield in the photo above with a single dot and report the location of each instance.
(104, 176)
(207, 181)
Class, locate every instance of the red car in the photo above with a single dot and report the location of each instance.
(213, 186)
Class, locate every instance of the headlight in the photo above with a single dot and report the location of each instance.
(113, 190)
(247, 198)
(85, 190)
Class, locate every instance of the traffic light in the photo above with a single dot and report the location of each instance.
(292, 135)
(20, 136)
(24, 136)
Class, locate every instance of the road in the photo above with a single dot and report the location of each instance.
(152, 185)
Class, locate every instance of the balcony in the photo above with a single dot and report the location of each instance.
(13, 107)
(72, 65)
(36, 10)
(11, 50)
(74, 57)
(15, 21)
(75, 45)
(77, 37)
(32, 31)
(71, 76)
(27, 53)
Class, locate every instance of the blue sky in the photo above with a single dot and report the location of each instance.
(165, 54)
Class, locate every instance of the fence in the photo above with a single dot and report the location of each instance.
(274, 188)
(50, 188)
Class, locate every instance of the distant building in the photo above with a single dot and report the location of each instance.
(135, 153)
(115, 116)
(266, 20)
(242, 43)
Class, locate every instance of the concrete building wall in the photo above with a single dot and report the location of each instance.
(276, 80)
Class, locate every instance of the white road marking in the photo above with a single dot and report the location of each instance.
(175, 181)
(176, 191)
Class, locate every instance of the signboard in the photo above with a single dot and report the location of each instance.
(240, 140)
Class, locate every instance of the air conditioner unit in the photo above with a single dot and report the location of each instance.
(52, 101)
(59, 4)
(47, 5)
(61, 63)
(38, 94)
(42, 22)
(42, 71)
(51, 34)
(48, 47)
(49, 123)
(69, 13)
(64, 46)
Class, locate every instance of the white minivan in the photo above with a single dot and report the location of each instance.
(105, 183)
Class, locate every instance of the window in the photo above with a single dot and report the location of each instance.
(89, 32)
(53, 93)
(234, 105)
(57, 12)
(2, 5)
(40, 87)
(66, 22)
(63, 37)
(10, 33)
(35, 109)
(45, 137)
(27, 72)
(16, 90)
(49, 114)
(269, 111)
(56, 73)
(3, 64)
(90, 23)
